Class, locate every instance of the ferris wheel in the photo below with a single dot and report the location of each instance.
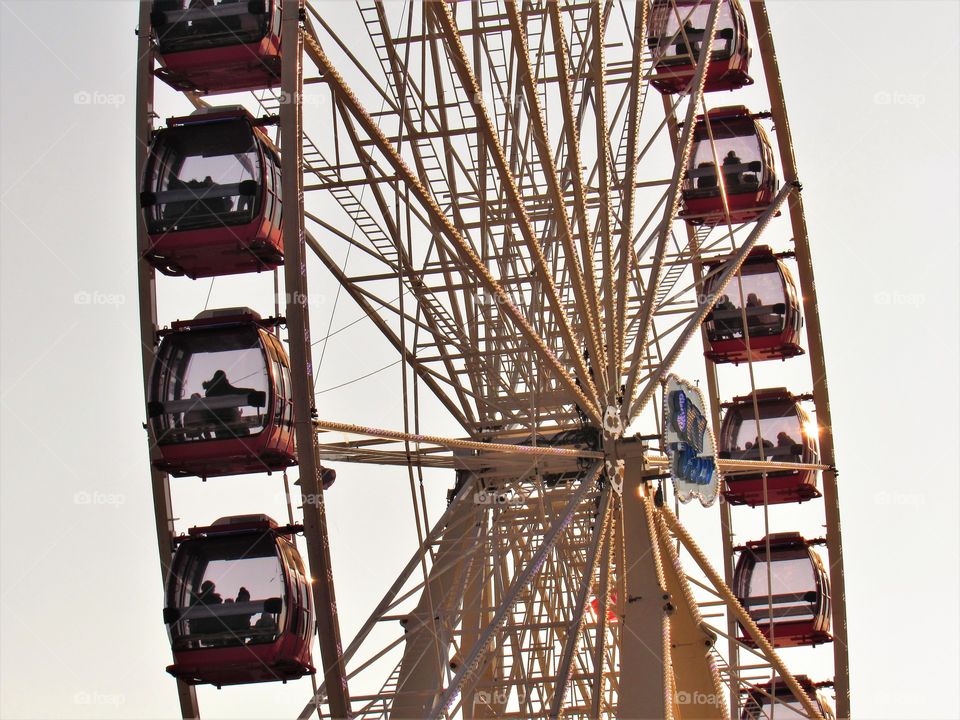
(552, 213)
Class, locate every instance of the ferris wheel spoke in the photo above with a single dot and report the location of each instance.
(586, 310)
(480, 650)
(628, 179)
(670, 208)
(693, 324)
(457, 52)
(573, 165)
(576, 628)
(466, 252)
(668, 522)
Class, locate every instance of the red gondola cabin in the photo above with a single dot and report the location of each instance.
(796, 609)
(775, 700)
(219, 400)
(766, 293)
(238, 604)
(787, 434)
(748, 178)
(211, 196)
(230, 46)
(677, 30)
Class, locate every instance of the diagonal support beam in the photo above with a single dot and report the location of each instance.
(628, 192)
(585, 305)
(670, 522)
(565, 667)
(350, 101)
(609, 300)
(697, 320)
(458, 54)
(574, 161)
(482, 648)
(672, 206)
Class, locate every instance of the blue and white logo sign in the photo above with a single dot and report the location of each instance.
(689, 443)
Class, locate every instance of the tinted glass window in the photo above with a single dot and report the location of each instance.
(683, 48)
(182, 25)
(205, 175)
(227, 591)
(210, 384)
(760, 291)
(781, 432)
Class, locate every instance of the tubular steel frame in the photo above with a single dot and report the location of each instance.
(526, 323)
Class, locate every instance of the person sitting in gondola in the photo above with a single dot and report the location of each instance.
(238, 621)
(686, 42)
(706, 176)
(731, 170)
(729, 323)
(228, 418)
(265, 628)
(207, 623)
(177, 210)
(785, 441)
(197, 420)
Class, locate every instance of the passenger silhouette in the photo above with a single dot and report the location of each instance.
(731, 171)
(788, 443)
(265, 628)
(239, 621)
(687, 44)
(729, 324)
(784, 440)
(707, 180)
(229, 418)
(207, 623)
(196, 420)
(208, 594)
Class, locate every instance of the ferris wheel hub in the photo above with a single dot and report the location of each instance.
(612, 422)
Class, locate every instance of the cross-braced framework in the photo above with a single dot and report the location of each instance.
(506, 188)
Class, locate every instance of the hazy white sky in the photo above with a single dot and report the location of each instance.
(872, 92)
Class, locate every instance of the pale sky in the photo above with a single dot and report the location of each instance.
(872, 94)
